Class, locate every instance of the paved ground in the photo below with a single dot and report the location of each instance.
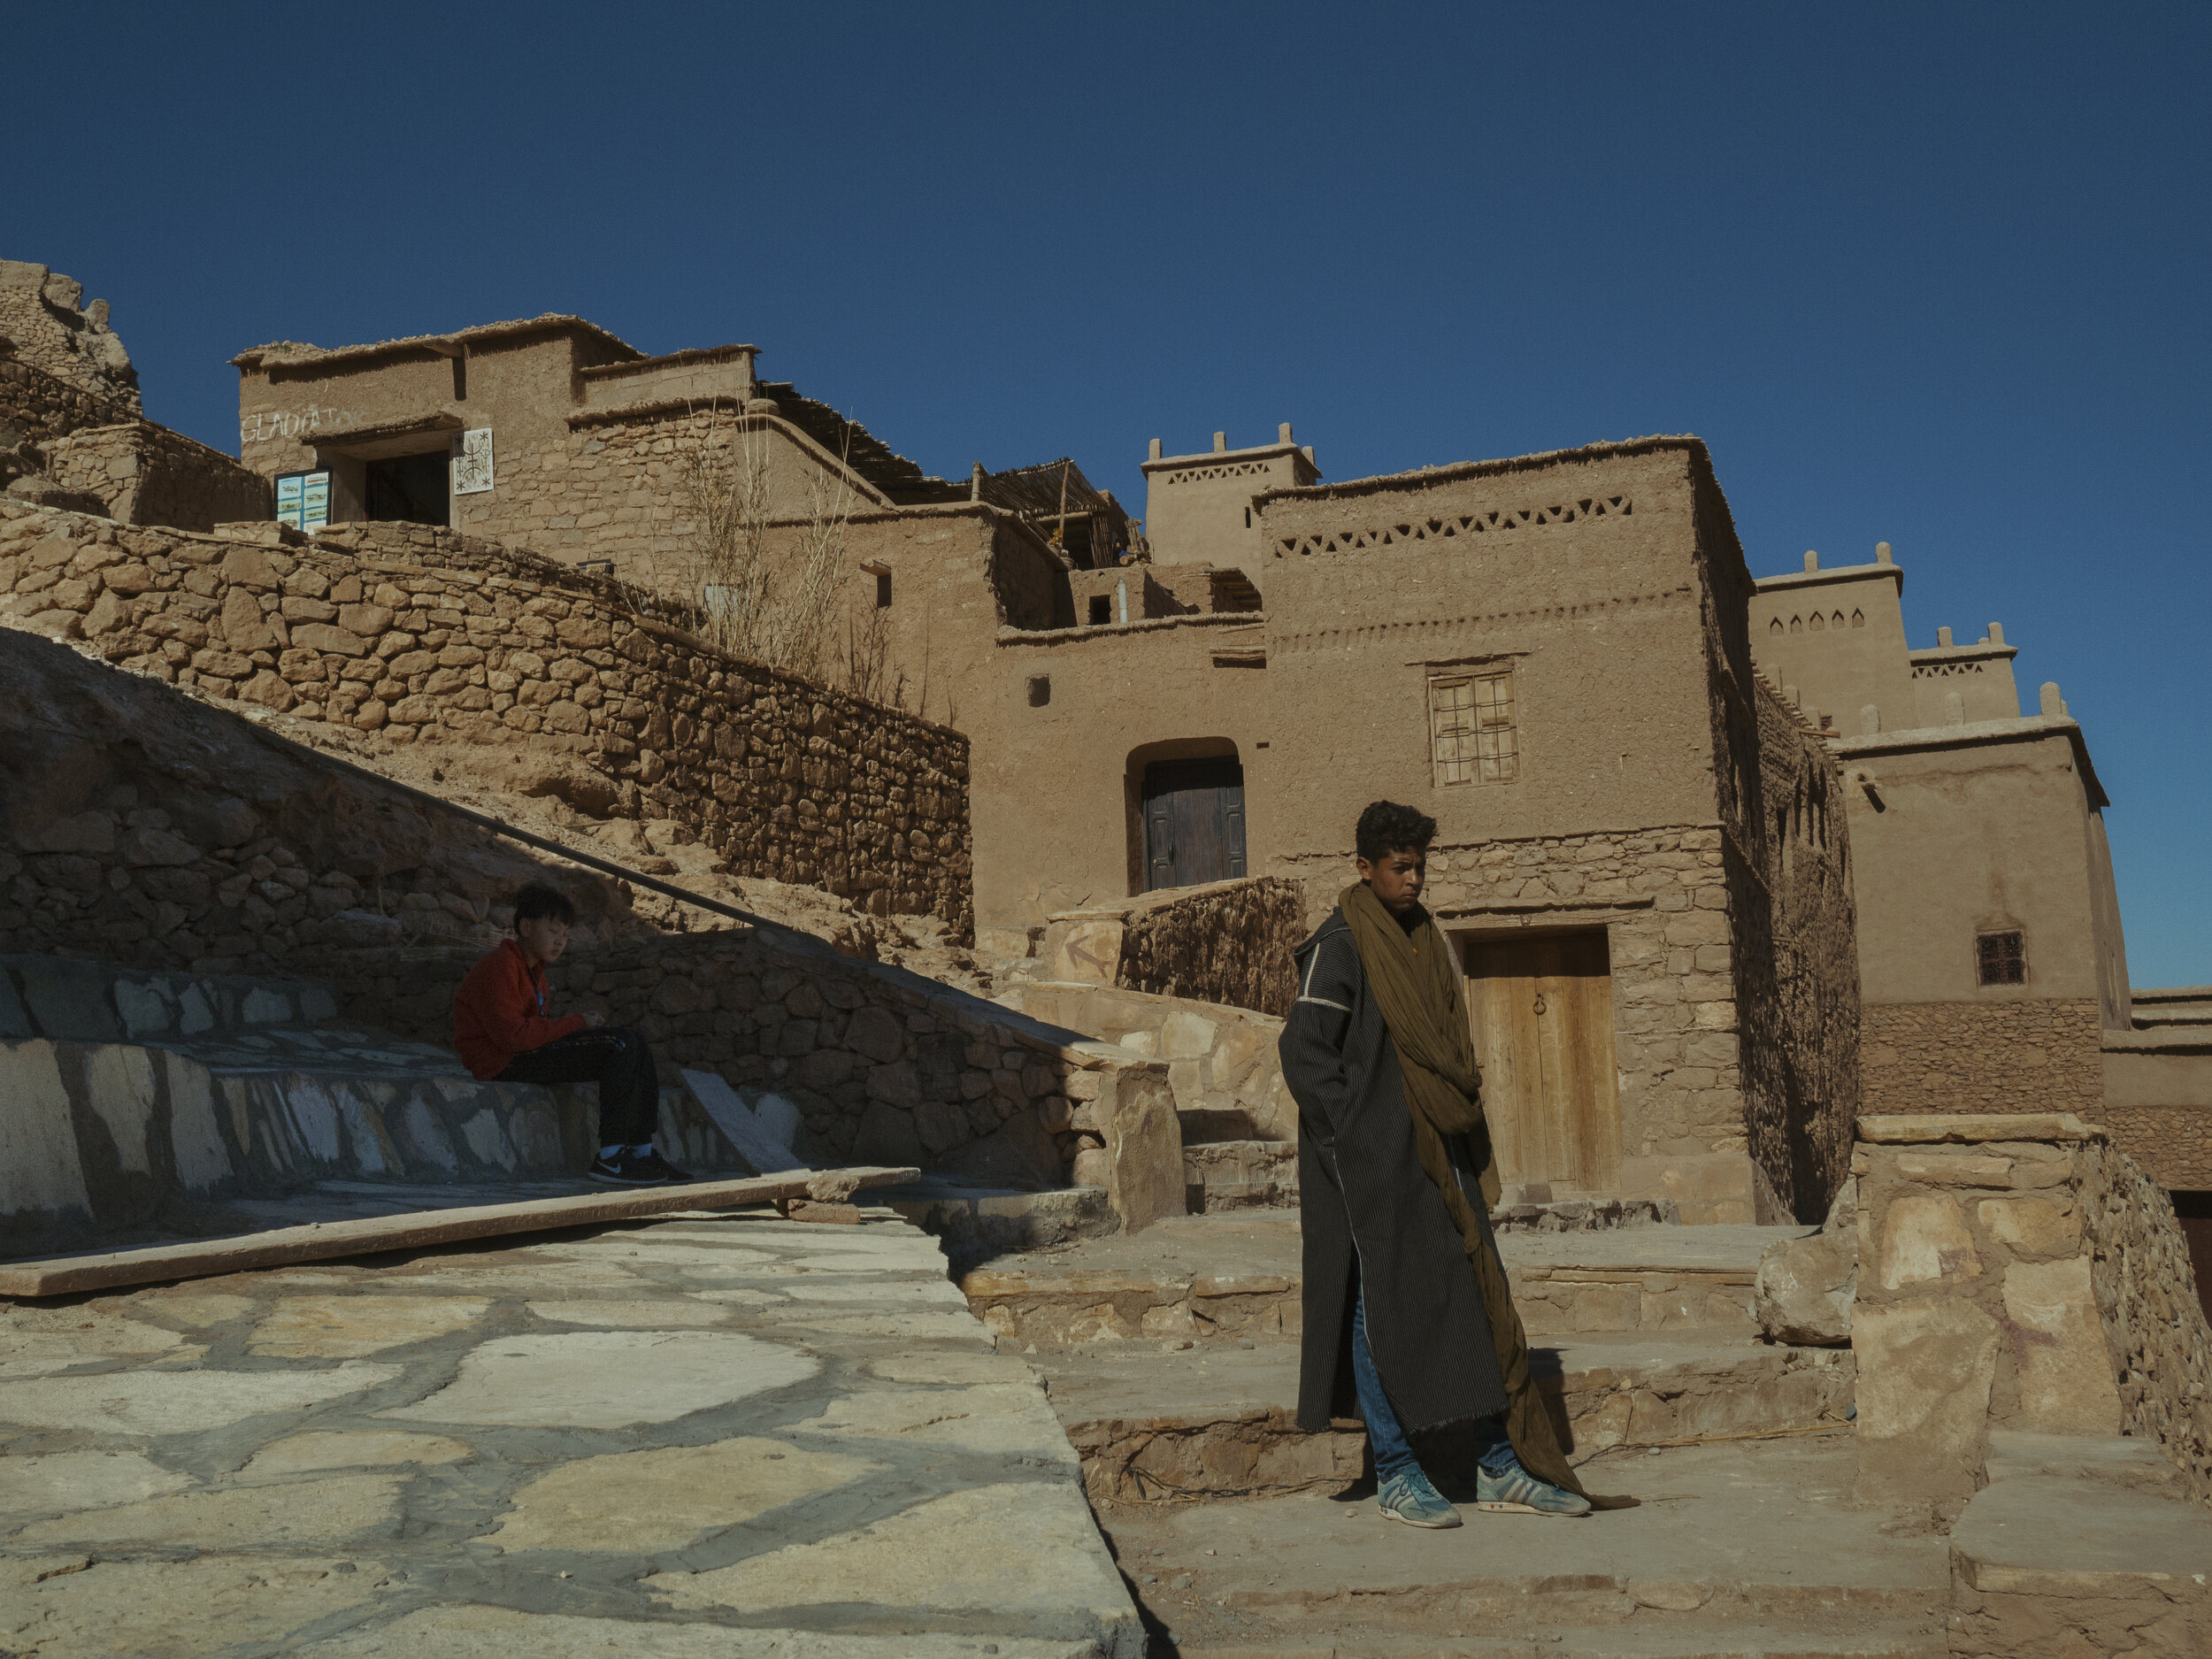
(1736, 1549)
(726, 1435)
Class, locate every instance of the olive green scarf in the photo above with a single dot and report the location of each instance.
(1416, 980)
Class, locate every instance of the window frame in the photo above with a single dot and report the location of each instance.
(1497, 761)
(2017, 957)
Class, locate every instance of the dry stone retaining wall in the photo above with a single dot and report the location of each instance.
(1230, 944)
(148, 474)
(1796, 965)
(423, 635)
(2016, 1271)
(153, 832)
(41, 407)
(1982, 1056)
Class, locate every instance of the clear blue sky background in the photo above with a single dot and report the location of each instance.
(1933, 273)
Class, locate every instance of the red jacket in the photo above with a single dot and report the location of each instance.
(499, 1011)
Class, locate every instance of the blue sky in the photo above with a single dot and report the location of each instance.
(1933, 274)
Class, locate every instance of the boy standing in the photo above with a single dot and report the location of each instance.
(1408, 1313)
(501, 1028)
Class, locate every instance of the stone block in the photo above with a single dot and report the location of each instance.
(2032, 1227)
(1144, 1142)
(1082, 952)
(1925, 1373)
(2067, 1382)
(39, 1170)
(1805, 1288)
(1923, 1238)
(877, 1034)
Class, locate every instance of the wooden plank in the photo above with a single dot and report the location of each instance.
(1501, 997)
(1589, 1082)
(734, 1119)
(320, 1241)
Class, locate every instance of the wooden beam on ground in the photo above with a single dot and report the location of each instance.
(373, 1235)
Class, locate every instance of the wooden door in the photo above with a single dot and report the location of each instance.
(1194, 822)
(1542, 1009)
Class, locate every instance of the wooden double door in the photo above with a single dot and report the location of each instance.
(1194, 822)
(1542, 1009)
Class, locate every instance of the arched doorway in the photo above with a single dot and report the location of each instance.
(1193, 818)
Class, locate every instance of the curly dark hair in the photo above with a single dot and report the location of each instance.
(537, 900)
(1385, 827)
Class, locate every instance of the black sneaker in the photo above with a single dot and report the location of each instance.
(652, 1167)
(626, 1168)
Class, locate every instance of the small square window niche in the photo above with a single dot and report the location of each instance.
(1101, 609)
(2001, 958)
(1039, 690)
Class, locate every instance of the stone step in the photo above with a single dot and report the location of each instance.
(114, 1135)
(2080, 1545)
(1219, 1175)
(1156, 1424)
(69, 1000)
(1740, 1550)
(1237, 1274)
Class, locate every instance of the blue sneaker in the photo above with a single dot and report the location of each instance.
(1411, 1499)
(1514, 1490)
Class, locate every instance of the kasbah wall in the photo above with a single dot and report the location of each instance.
(428, 636)
(1664, 794)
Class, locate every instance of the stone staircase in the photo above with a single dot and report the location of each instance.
(1170, 1357)
(1238, 1124)
(184, 1102)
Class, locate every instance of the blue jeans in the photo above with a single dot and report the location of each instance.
(1385, 1437)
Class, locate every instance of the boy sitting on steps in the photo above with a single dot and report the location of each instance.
(501, 1029)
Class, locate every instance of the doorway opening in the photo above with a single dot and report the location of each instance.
(1194, 822)
(410, 489)
(1541, 1005)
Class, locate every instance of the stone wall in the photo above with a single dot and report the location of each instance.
(41, 407)
(2154, 1316)
(1222, 1062)
(152, 831)
(1981, 1057)
(1225, 941)
(1661, 896)
(148, 474)
(47, 326)
(423, 636)
(2016, 1271)
(1795, 965)
(2172, 1143)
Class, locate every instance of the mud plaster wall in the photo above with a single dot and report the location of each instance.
(1230, 944)
(1795, 965)
(425, 635)
(1981, 1057)
(149, 475)
(146, 829)
(1581, 575)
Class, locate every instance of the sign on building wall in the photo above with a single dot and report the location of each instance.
(472, 462)
(302, 500)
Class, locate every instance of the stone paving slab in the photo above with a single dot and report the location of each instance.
(705, 1434)
(1736, 1549)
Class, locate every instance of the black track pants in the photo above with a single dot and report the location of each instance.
(613, 1057)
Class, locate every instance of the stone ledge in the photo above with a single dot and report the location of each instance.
(1926, 1128)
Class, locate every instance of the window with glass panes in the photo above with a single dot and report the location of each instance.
(1472, 737)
